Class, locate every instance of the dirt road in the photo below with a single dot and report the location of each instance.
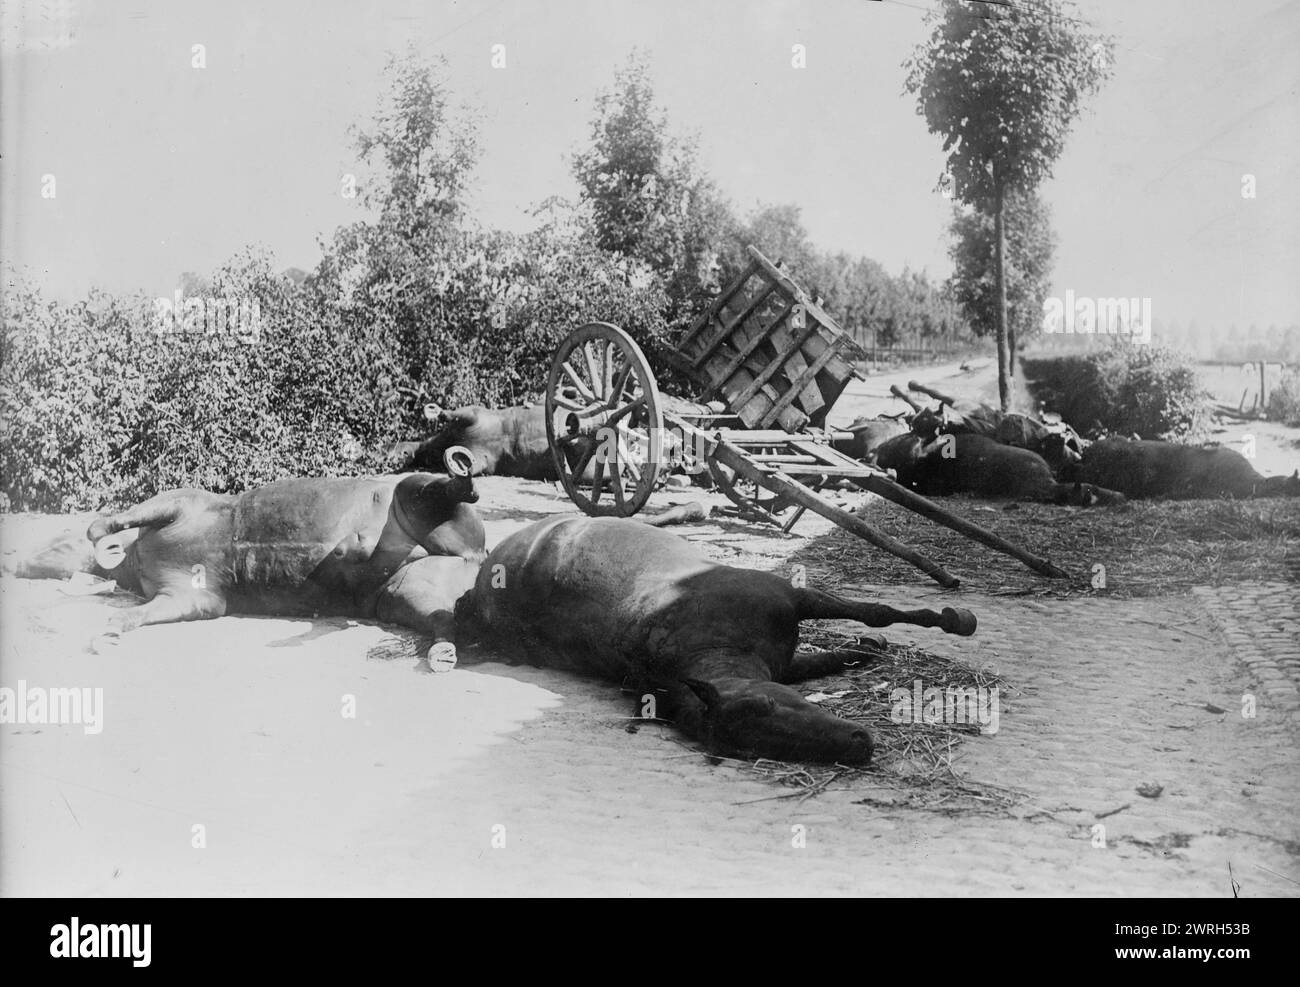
(283, 757)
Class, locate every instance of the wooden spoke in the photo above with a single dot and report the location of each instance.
(578, 382)
(617, 393)
(597, 376)
(607, 377)
(597, 477)
(627, 462)
(568, 404)
(618, 415)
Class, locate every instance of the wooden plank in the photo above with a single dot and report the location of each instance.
(824, 454)
(747, 351)
(759, 397)
(841, 368)
(756, 405)
(887, 488)
(757, 347)
(830, 455)
(793, 392)
(767, 436)
(809, 398)
(730, 328)
(767, 374)
(821, 469)
(816, 311)
(784, 459)
(754, 364)
(796, 493)
(717, 305)
(760, 361)
(773, 436)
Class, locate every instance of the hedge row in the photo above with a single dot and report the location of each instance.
(1150, 391)
(109, 400)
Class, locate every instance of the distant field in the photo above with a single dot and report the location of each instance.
(1228, 382)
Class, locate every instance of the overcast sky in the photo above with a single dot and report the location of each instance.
(161, 167)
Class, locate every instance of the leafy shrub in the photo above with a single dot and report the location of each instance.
(477, 317)
(1284, 400)
(97, 408)
(1152, 391)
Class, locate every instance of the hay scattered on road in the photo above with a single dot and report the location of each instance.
(914, 762)
(1148, 549)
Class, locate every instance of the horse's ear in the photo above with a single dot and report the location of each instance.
(706, 691)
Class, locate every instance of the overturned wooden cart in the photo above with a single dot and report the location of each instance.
(769, 364)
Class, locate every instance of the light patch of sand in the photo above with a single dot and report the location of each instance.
(237, 726)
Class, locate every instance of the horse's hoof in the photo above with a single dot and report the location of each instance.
(442, 657)
(110, 551)
(958, 620)
(459, 461)
(106, 643)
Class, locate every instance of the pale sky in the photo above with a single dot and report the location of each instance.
(161, 167)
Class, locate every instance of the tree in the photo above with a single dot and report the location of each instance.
(778, 231)
(858, 291)
(408, 269)
(647, 198)
(427, 148)
(1031, 245)
(1002, 85)
(194, 285)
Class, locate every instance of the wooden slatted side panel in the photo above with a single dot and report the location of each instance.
(708, 317)
(797, 385)
(839, 370)
(747, 351)
(736, 366)
(768, 351)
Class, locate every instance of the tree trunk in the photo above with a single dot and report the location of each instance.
(1005, 369)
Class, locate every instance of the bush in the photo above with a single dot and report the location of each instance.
(97, 408)
(1152, 391)
(1284, 400)
(477, 316)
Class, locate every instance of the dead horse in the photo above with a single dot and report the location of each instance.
(390, 548)
(614, 598)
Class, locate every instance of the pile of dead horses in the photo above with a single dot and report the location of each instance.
(718, 646)
(966, 447)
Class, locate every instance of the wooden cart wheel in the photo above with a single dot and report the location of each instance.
(754, 501)
(604, 421)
